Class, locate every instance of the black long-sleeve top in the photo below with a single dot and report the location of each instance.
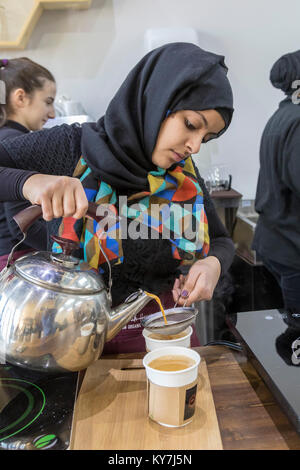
(277, 235)
(10, 234)
(56, 151)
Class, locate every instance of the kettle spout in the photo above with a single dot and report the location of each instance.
(122, 314)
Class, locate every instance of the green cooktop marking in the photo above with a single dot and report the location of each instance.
(29, 407)
(26, 412)
(43, 441)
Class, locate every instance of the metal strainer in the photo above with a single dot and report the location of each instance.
(178, 319)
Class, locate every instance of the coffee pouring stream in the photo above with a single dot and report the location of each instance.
(55, 311)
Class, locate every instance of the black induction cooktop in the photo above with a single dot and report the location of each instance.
(272, 341)
(36, 410)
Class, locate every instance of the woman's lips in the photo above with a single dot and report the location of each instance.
(177, 156)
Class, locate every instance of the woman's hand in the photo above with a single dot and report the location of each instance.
(59, 196)
(200, 282)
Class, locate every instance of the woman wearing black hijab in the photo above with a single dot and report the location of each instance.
(175, 98)
(277, 236)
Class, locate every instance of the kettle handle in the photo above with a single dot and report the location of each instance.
(24, 220)
(28, 216)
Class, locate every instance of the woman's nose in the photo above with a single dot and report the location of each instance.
(51, 114)
(194, 143)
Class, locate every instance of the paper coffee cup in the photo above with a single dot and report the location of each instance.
(172, 394)
(153, 343)
(83, 341)
(87, 329)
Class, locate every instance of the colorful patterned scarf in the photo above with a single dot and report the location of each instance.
(173, 208)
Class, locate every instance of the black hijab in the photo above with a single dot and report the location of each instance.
(173, 77)
(285, 71)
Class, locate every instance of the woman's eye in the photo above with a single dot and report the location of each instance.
(189, 125)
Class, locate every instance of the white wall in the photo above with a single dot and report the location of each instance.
(90, 52)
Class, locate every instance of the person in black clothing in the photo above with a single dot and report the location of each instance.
(175, 98)
(277, 235)
(30, 92)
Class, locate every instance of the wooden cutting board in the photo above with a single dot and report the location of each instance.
(111, 412)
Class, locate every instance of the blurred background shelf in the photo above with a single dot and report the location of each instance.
(19, 18)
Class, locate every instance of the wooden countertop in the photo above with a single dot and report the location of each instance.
(248, 416)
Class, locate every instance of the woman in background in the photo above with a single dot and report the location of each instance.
(277, 236)
(30, 91)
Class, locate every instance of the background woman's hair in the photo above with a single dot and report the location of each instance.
(285, 71)
(20, 73)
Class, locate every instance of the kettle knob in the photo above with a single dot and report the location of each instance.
(67, 246)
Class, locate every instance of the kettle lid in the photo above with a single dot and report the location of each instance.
(59, 272)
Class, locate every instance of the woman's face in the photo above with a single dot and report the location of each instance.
(182, 133)
(40, 108)
(33, 110)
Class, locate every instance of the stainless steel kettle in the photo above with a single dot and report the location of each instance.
(55, 312)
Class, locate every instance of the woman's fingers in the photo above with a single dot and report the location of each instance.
(201, 281)
(187, 288)
(177, 288)
(69, 203)
(46, 204)
(199, 291)
(59, 196)
(81, 202)
(57, 203)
